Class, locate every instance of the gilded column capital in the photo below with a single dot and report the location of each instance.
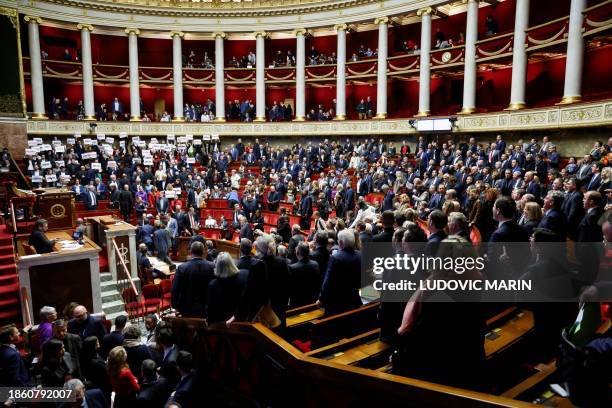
(85, 27)
(218, 34)
(33, 19)
(301, 31)
(260, 34)
(177, 33)
(426, 10)
(381, 20)
(134, 31)
(339, 27)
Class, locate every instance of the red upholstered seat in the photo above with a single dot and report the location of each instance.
(151, 298)
(133, 307)
(165, 287)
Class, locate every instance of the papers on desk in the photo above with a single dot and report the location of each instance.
(66, 244)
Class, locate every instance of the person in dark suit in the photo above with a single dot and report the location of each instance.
(39, 240)
(162, 204)
(572, 207)
(92, 398)
(169, 355)
(91, 200)
(304, 278)
(72, 344)
(283, 229)
(191, 222)
(296, 238)
(225, 290)
(305, 210)
(93, 367)
(589, 229)
(84, 325)
(388, 220)
(436, 223)
(245, 228)
(114, 338)
(136, 351)
(126, 202)
(256, 292)
(274, 198)
(191, 283)
(154, 389)
(554, 220)
(186, 391)
(13, 371)
(340, 289)
(278, 275)
(510, 258)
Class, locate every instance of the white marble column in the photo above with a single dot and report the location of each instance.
(519, 56)
(38, 94)
(300, 74)
(88, 87)
(133, 34)
(381, 81)
(341, 72)
(177, 75)
(424, 71)
(470, 70)
(260, 76)
(219, 77)
(574, 60)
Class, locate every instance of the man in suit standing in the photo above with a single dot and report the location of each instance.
(39, 240)
(185, 393)
(191, 222)
(273, 199)
(436, 224)
(191, 281)
(554, 220)
(162, 242)
(154, 390)
(305, 210)
(13, 372)
(388, 198)
(595, 181)
(84, 325)
(93, 398)
(162, 204)
(589, 233)
(245, 228)
(117, 109)
(304, 278)
(256, 292)
(572, 207)
(508, 231)
(91, 201)
(126, 202)
(388, 220)
(294, 241)
(114, 338)
(340, 289)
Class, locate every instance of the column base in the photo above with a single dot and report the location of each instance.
(180, 119)
(466, 111)
(218, 119)
(259, 119)
(422, 114)
(135, 119)
(381, 115)
(340, 117)
(89, 118)
(299, 118)
(516, 106)
(39, 116)
(568, 100)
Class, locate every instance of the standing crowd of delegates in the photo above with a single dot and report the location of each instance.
(510, 192)
(126, 366)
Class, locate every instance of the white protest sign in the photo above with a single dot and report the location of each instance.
(148, 161)
(94, 142)
(38, 140)
(189, 137)
(59, 163)
(111, 163)
(177, 191)
(170, 194)
(108, 149)
(32, 143)
(60, 149)
(191, 160)
(181, 139)
(100, 136)
(122, 143)
(77, 135)
(110, 140)
(70, 140)
(96, 166)
(146, 153)
(171, 137)
(45, 147)
(215, 137)
(122, 135)
(197, 142)
(37, 179)
(206, 137)
(51, 178)
(30, 152)
(56, 142)
(87, 141)
(45, 164)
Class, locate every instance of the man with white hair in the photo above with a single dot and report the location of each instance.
(84, 398)
(340, 289)
(458, 225)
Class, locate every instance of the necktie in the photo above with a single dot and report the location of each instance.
(93, 198)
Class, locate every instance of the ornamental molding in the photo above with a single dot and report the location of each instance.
(157, 16)
(555, 117)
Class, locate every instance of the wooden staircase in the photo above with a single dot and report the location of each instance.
(10, 306)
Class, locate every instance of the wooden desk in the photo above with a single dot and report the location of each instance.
(60, 277)
(103, 230)
(510, 333)
(161, 266)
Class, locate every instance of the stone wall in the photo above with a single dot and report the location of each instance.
(14, 135)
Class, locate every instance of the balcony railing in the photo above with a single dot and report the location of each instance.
(598, 18)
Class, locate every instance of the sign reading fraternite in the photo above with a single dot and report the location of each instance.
(11, 87)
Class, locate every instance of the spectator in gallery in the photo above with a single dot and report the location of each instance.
(116, 109)
(44, 54)
(80, 110)
(361, 109)
(439, 37)
(165, 117)
(492, 27)
(354, 58)
(67, 56)
(102, 112)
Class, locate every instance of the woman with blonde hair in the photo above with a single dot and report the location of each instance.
(123, 382)
(225, 291)
(533, 215)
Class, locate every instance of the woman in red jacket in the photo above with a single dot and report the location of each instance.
(123, 382)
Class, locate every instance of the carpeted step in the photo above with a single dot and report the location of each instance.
(6, 249)
(14, 287)
(8, 279)
(8, 269)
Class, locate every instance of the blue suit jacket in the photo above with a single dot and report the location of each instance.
(340, 289)
(13, 372)
(556, 222)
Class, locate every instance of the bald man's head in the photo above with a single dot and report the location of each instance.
(80, 313)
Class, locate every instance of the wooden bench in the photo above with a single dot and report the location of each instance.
(303, 314)
(509, 333)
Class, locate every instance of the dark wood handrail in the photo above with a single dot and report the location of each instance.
(25, 181)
